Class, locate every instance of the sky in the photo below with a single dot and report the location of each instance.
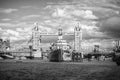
(99, 19)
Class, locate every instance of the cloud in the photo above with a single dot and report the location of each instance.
(25, 32)
(111, 27)
(6, 19)
(89, 15)
(0, 29)
(1, 32)
(6, 25)
(10, 10)
(48, 7)
(61, 13)
(51, 23)
(45, 29)
(20, 31)
(15, 25)
(30, 16)
(71, 11)
(16, 35)
(86, 14)
(29, 7)
(13, 38)
(12, 32)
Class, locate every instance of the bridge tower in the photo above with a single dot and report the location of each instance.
(35, 35)
(77, 38)
(60, 34)
(36, 43)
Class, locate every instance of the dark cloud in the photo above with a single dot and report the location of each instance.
(116, 2)
(111, 27)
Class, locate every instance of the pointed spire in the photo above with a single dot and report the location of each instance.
(35, 23)
(78, 24)
(36, 26)
(60, 31)
(78, 27)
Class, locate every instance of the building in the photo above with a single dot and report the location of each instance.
(4, 44)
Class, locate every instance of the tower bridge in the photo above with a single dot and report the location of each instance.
(37, 36)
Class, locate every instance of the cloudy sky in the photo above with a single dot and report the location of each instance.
(99, 19)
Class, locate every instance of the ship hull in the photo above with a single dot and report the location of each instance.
(56, 56)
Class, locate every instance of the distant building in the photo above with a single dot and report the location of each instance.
(96, 48)
(4, 44)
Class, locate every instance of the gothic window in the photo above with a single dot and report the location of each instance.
(77, 29)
